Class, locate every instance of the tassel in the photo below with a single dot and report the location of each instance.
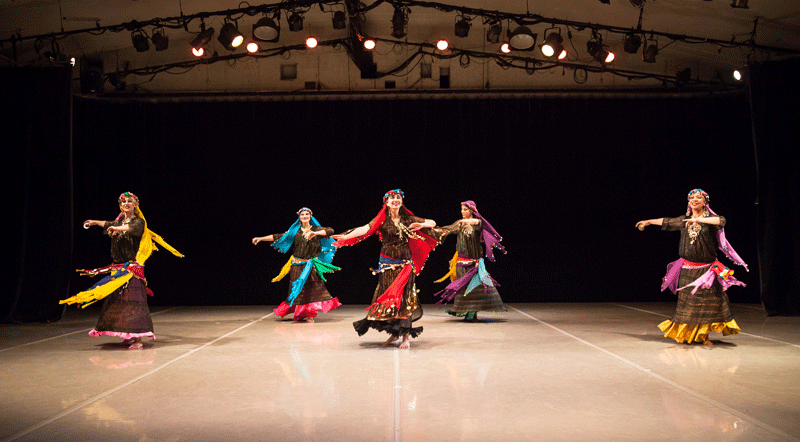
(452, 272)
(284, 270)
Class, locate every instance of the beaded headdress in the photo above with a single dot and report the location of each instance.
(393, 192)
(304, 209)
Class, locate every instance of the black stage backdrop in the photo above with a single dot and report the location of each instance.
(37, 192)
(775, 106)
(564, 180)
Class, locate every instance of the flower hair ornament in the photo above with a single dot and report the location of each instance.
(305, 209)
(393, 192)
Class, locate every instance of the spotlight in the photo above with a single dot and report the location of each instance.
(399, 20)
(631, 42)
(139, 41)
(599, 52)
(295, 22)
(198, 52)
(230, 37)
(252, 47)
(202, 39)
(339, 20)
(493, 33)
(92, 76)
(442, 45)
(553, 44)
(650, 52)
(160, 40)
(311, 42)
(522, 38)
(267, 29)
(505, 48)
(369, 44)
(739, 4)
(737, 75)
(462, 28)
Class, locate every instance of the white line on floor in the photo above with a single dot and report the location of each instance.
(741, 333)
(396, 397)
(121, 386)
(647, 371)
(70, 333)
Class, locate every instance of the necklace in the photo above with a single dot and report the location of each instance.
(694, 232)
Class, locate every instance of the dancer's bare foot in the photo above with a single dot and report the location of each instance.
(310, 320)
(137, 344)
(128, 341)
(389, 341)
(405, 344)
(708, 343)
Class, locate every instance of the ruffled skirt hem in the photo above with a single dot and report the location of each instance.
(697, 333)
(123, 335)
(392, 327)
(309, 310)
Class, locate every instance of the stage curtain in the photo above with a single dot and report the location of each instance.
(37, 188)
(774, 93)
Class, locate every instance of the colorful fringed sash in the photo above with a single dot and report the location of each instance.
(474, 277)
(297, 285)
(716, 271)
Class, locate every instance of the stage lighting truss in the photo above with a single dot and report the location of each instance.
(522, 39)
(494, 32)
(462, 26)
(268, 29)
(739, 4)
(553, 45)
(229, 35)
(160, 39)
(139, 39)
(399, 22)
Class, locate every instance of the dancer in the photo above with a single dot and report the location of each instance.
(124, 312)
(698, 278)
(472, 288)
(406, 241)
(311, 258)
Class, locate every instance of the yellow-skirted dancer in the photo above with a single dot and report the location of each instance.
(124, 289)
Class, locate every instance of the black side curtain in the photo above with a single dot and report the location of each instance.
(37, 189)
(774, 94)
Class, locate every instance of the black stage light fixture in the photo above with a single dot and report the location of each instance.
(160, 40)
(631, 42)
(399, 20)
(650, 51)
(267, 29)
(339, 20)
(462, 28)
(493, 33)
(230, 37)
(92, 76)
(597, 50)
(553, 45)
(139, 40)
(522, 38)
(739, 4)
(203, 37)
(295, 22)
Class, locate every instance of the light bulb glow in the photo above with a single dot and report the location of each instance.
(737, 75)
(548, 51)
(252, 47)
(562, 55)
(198, 52)
(442, 45)
(369, 44)
(505, 48)
(610, 57)
(237, 41)
(311, 42)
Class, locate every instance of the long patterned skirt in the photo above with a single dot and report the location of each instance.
(480, 299)
(125, 313)
(396, 322)
(312, 299)
(698, 314)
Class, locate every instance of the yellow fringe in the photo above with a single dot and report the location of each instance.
(697, 333)
(452, 272)
(89, 297)
(147, 243)
(285, 270)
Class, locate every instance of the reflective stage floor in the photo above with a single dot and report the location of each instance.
(540, 372)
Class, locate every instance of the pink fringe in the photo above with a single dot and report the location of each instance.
(122, 335)
(306, 310)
